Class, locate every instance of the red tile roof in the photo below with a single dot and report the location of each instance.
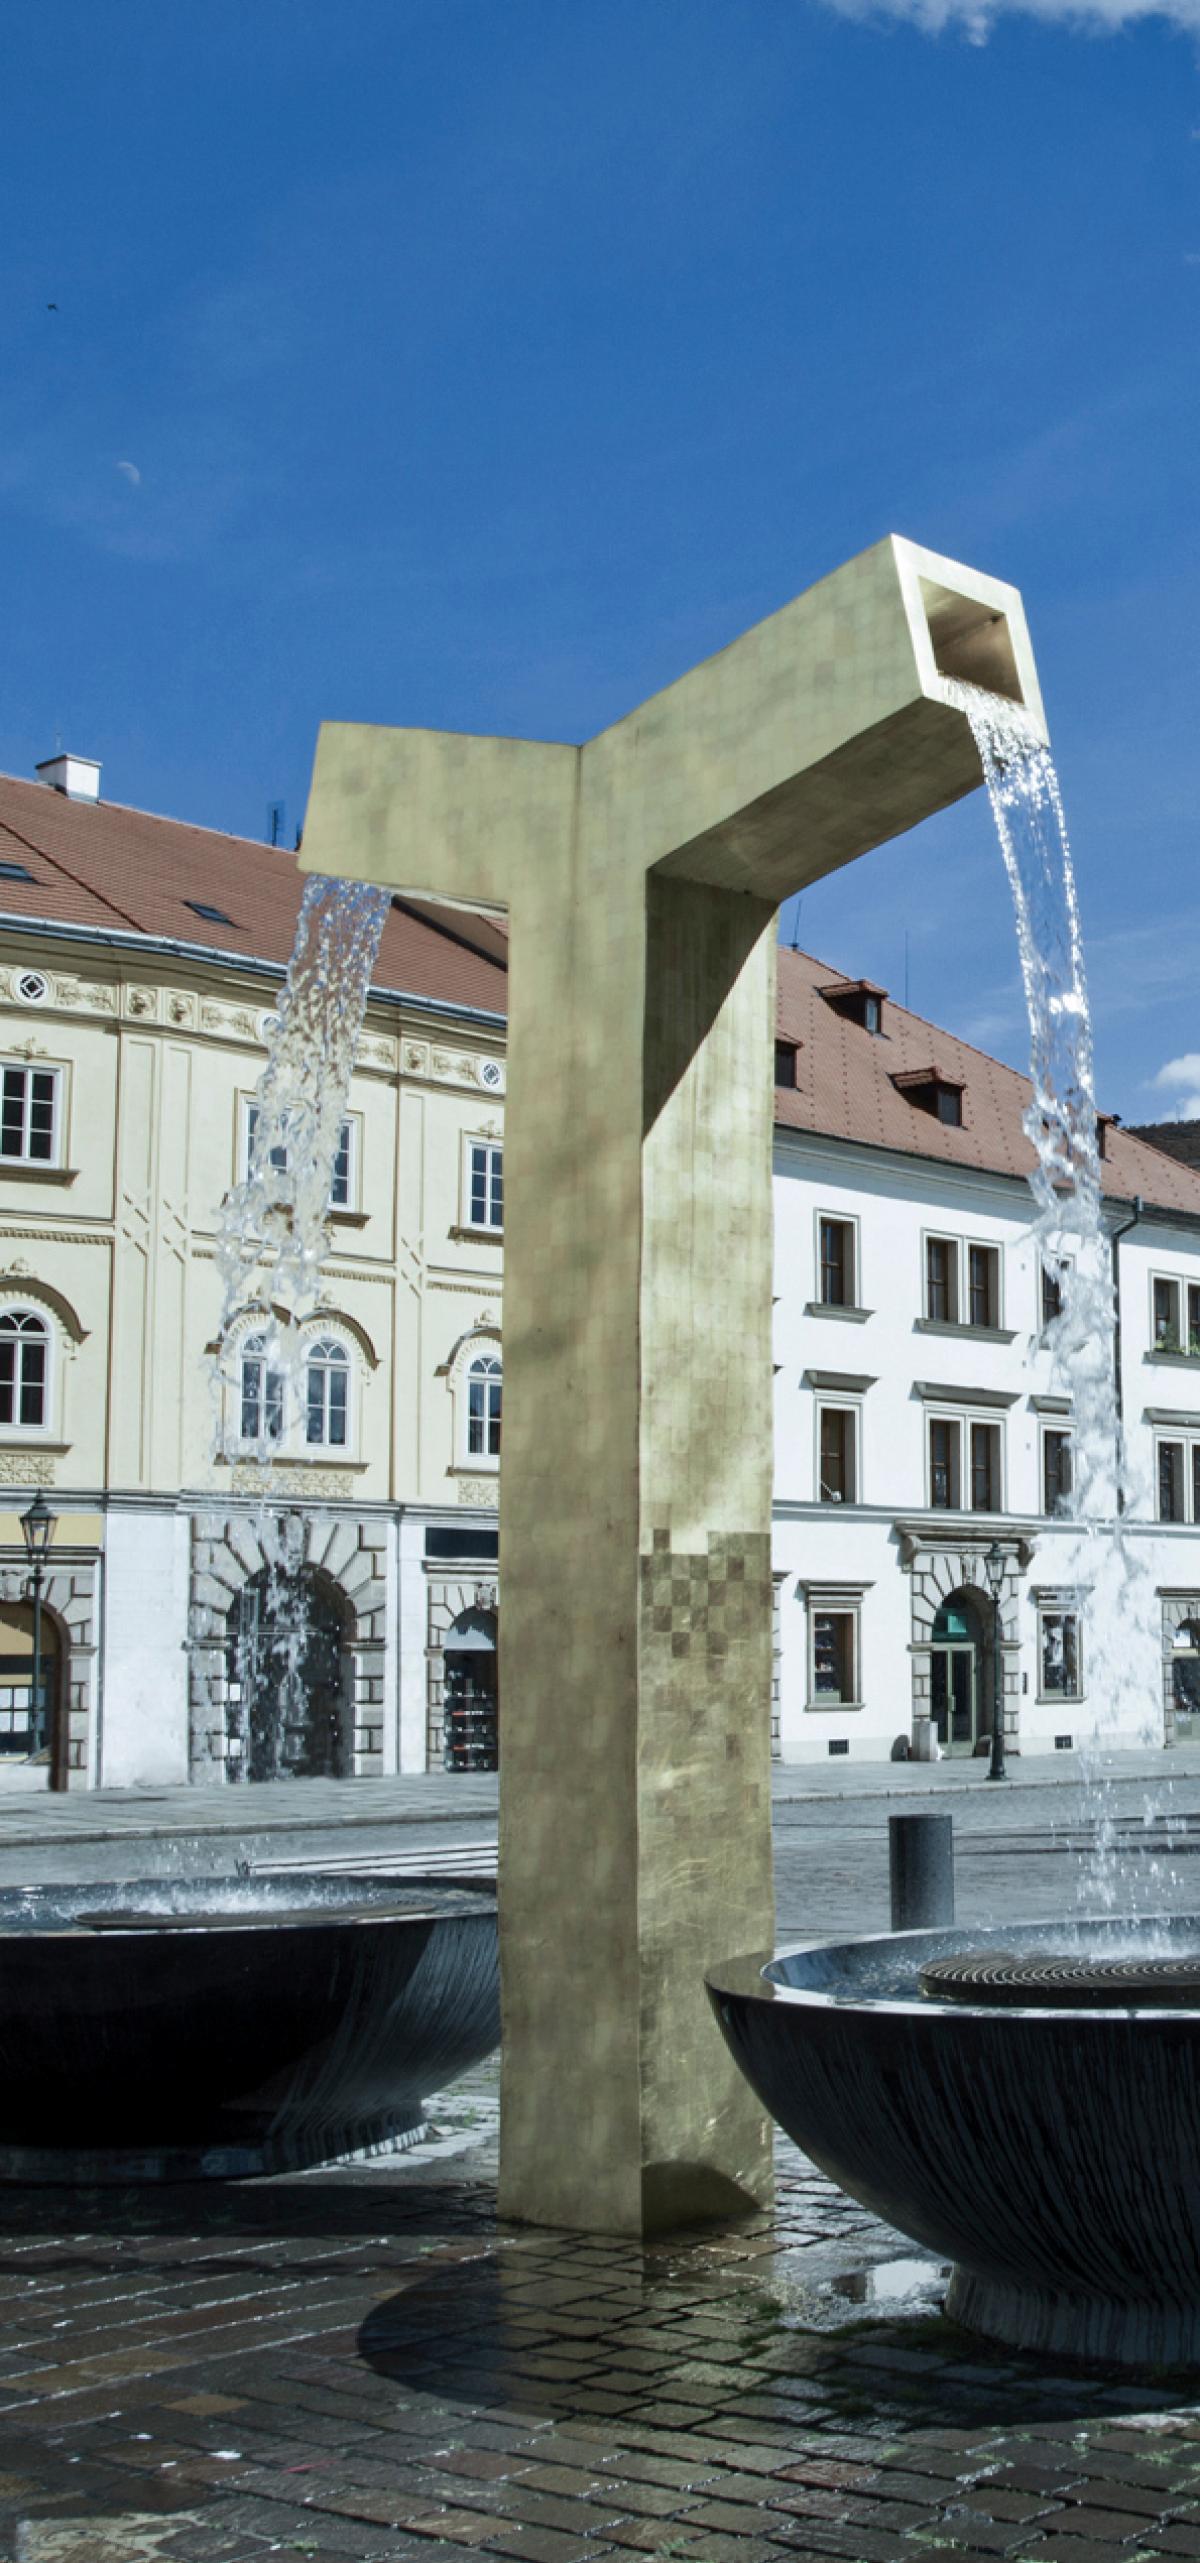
(848, 1087)
(100, 864)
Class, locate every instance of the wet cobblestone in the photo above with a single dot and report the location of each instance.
(366, 2364)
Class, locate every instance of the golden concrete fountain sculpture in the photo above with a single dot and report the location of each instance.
(641, 874)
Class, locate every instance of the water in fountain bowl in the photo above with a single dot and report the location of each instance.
(1046, 2142)
(225, 2027)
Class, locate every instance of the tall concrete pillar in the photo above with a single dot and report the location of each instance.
(642, 873)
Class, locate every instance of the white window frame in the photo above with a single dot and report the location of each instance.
(1066, 1431)
(247, 1349)
(1171, 1282)
(488, 1367)
(1063, 1267)
(964, 1417)
(1064, 1607)
(833, 1602)
(1178, 1437)
(830, 1401)
(961, 1276)
(483, 1344)
(17, 1432)
(351, 1131)
(940, 1237)
(1182, 1286)
(351, 1134)
(983, 1246)
(29, 1069)
(312, 1350)
(844, 1219)
(472, 1139)
(941, 1415)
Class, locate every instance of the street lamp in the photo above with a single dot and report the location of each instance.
(38, 1527)
(994, 1566)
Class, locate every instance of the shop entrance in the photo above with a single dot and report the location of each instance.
(960, 1676)
(30, 1729)
(472, 1719)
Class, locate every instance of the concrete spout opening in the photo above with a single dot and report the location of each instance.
(971, 640)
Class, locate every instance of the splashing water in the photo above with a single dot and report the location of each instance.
(272, 1238)
(1104, 1566)
(273, 1229)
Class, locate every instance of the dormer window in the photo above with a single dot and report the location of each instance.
(933, 1092)
(785, 1062)
(857, 1001)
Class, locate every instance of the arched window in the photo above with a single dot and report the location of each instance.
(262, 1393)
(327, 1394)
(484, 1388)
(24, 1370)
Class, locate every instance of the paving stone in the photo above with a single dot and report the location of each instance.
(133, 2537)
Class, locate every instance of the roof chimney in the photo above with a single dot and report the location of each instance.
(77, 776)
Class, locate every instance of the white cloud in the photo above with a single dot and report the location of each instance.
(132, 474)
(976, 17)
(1181, 1077)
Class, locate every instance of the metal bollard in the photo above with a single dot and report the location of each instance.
(921, 1867)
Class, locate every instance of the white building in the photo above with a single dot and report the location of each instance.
(918, 1426)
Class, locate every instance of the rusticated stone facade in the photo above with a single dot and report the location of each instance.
(228, 1551)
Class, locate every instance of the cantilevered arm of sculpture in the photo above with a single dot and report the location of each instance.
(642, 873)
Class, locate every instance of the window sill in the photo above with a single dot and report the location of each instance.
(340, 1218)
(834, 1708)
(18, 1172)
(474, 1468)
(974, 1334)
(252, 1457)
(11, 1440)
(477, 1236)
(1178, 1361)
(956, 1513)
(833, 1308)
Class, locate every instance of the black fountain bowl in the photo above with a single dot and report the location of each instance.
(219, 2028)
(1053, 2154)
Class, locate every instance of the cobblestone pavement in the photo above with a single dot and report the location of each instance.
(365, 2364)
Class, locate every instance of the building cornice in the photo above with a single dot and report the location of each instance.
(921, 1168)
(244, 965)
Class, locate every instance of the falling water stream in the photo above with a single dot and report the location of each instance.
(272, 1240)
(1103, 1566)
(273, 1233)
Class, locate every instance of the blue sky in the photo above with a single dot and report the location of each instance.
(485, 362)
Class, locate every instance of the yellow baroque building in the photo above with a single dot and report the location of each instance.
(140, 960)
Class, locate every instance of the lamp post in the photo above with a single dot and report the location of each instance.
(38, 1527)
(994, 1564)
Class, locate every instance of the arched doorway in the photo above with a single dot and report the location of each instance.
(31, 1731)
(472, 1701)
(291, 1697)
(960, 1668)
